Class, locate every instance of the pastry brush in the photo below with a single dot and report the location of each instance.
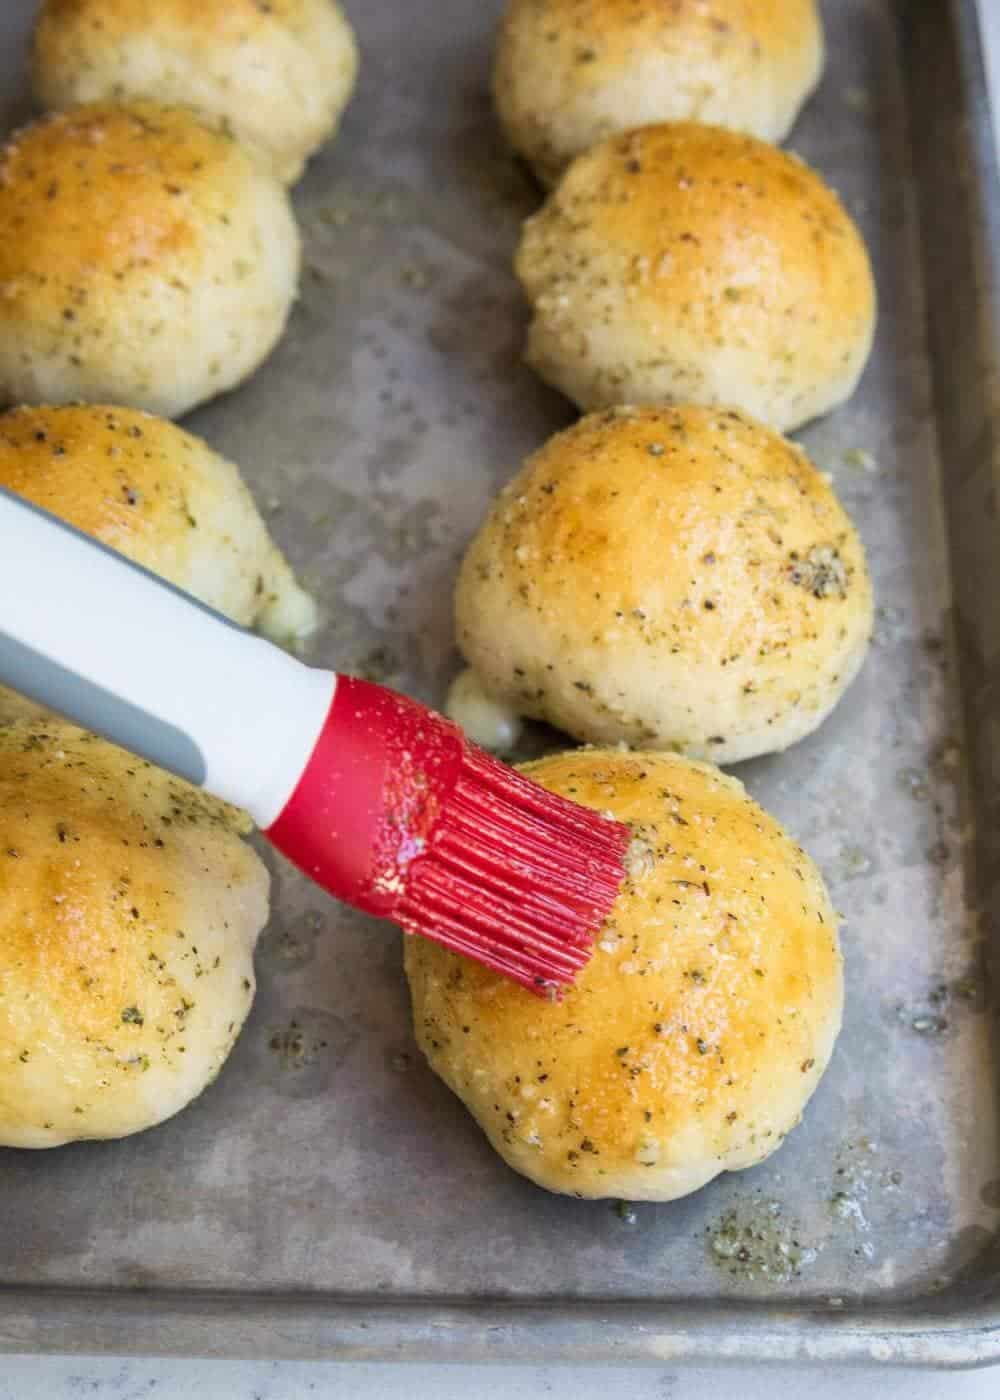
(378, 799)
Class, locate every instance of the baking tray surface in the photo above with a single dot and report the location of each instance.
(328, 1196)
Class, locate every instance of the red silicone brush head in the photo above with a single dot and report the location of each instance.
(397, 814)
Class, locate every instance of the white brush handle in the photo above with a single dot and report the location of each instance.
(112, 647)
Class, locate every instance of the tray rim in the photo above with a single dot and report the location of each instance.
(213, 1323)
(230, 1325)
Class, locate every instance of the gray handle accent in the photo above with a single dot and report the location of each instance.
(135, 659)
(94, 708)
(88, 704)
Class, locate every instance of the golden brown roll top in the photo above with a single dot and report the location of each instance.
(276, 74)
(162, 497)
(685, 263)
(129, 909)
(569, 73)
(679, 578)
(143, 260)
(702, 1023)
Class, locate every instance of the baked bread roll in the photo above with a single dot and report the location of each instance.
(674, 578)
(703, 1022)
(160, 496)
(277, 75)
(129, 910)
(569, 73)
(685, 263)
(144, 260)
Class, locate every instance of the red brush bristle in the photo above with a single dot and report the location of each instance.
(514, 876)
(398, 815)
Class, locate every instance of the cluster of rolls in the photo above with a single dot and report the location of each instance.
(149, 255)
(671, 581)
(149, 259)
(672, 571)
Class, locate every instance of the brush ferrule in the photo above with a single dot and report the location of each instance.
(381, 774)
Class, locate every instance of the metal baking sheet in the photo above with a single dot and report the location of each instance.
(327, 1196)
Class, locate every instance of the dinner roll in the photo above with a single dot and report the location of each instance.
(673, 578)
(687, 263)
(163, 498)
(570, 72)
(702, 1023)
(144, 260)
(276, 73)
(129, 910)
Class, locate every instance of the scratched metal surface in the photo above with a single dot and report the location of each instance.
(327, 1195)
